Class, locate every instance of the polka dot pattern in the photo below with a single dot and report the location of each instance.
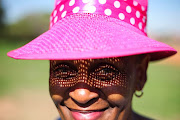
(85, 1)
(140, 25)
(117, 4)
(55, 19)
(76, 9)
(138, 14)
(51, 18)
(61, 8)
(72, 2)
(108, 12)
(102, 1)
(121, 16)
(129, 11)
(91, 9)
(63, 14)
(135, 3)
(58, 2)
(55, 12)
(142, 7)
(132, 21)
(144, 19)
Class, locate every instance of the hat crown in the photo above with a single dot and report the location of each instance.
(141, 2)
(129, 11)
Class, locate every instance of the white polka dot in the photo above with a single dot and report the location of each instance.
(85, 1)
(144, 19)
(138, 14)
(143, 8)
(117, 4)
(63, 14)
(91, 9)
(135, 3)
(140, 25)
(102, 1)
(72, 2)
(132, 21)
(51, 24)
(55, 13)
(51, 18)
(76, 9)
(61, 8)
(58, 2)
(121, 16)
(55, 19)
(128, 9)
(145, 30)
(108, 12)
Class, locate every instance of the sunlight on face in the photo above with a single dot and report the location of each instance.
(93, 89)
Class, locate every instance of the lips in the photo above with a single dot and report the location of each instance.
(86, 115)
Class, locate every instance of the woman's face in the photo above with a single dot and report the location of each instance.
(95, 89)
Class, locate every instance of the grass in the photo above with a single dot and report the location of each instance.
(17, 74)
(161, 97)
(161, 93)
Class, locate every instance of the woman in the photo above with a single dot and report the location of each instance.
(99, 53)
(97, 88)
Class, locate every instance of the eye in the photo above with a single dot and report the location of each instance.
(106, 72)
(63, 71)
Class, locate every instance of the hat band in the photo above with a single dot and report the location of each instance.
(125, 10)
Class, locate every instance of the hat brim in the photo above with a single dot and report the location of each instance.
(90, 36)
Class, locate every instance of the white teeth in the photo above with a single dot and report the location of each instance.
(86, 112)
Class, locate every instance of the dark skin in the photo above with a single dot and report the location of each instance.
(101, 87)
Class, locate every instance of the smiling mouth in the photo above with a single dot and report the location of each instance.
(87, 111)
(86, 114)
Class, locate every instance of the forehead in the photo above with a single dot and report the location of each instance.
(117, 61)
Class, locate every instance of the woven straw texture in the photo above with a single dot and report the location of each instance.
(91, 36)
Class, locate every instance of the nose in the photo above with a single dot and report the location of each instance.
(82, 95)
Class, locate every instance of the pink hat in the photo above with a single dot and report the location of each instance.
(90, 29)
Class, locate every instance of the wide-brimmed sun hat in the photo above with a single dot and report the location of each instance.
(92, 29)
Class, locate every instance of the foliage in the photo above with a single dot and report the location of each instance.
(1, 17)
(30, 26)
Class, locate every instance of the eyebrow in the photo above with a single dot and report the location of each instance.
(69, 64)
(96, 63)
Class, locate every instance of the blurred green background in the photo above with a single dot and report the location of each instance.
(24, 83)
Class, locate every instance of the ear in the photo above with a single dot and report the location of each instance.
(141, 71)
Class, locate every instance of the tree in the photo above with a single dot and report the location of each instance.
(1, 18)
(29, 26)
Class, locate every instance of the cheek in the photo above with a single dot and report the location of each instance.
(118, 96)
(117, 100)
(57, 99)
(58, 94)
